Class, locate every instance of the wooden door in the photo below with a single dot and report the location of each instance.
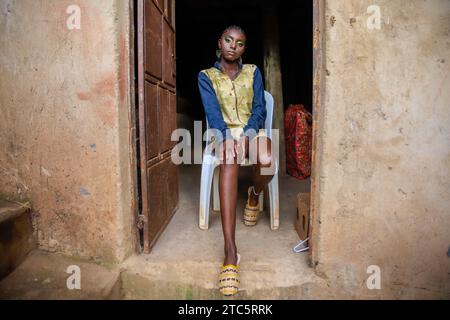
(157, 115)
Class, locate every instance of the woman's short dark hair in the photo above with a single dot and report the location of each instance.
(234, 27)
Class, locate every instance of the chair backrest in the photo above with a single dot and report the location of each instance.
(269, 108)
(269, 118)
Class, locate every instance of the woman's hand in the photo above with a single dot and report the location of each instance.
(227, 151)
(241, 148)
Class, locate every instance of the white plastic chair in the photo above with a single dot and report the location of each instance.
(210, 176)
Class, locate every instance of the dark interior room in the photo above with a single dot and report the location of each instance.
(199, 24)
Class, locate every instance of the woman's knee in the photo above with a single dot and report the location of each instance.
(229, 167)
(265, 152)
(265, 159)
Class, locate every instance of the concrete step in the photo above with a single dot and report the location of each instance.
(17, 237)
(44, 276)
(146, 278)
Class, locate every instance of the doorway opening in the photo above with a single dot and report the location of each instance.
(196, 26)
(200, 23)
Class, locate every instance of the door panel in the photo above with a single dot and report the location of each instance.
(153, 40)
(169, 54)
(156, 200)
(157, 118)
(151, 119)
(173, 113)
(165, 125)
(162, 195)
(167, 119)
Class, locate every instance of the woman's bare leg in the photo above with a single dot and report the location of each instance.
(228, 184)
(264, 160)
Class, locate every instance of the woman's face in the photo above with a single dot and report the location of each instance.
(232, 45)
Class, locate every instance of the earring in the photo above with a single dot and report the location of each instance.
(218, 54)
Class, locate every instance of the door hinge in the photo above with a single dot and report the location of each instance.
(141, 221)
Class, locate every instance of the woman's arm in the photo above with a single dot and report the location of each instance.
(259, 113)
(212, 107)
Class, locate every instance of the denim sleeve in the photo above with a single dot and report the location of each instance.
(259, 113)
(212, 107)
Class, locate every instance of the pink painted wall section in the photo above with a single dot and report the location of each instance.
(64, 125)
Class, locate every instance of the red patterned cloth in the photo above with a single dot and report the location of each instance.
(298, 135)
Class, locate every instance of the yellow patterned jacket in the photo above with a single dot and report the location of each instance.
(236, 106)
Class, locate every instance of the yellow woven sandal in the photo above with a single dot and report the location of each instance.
(229, 279)
(251, 214)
